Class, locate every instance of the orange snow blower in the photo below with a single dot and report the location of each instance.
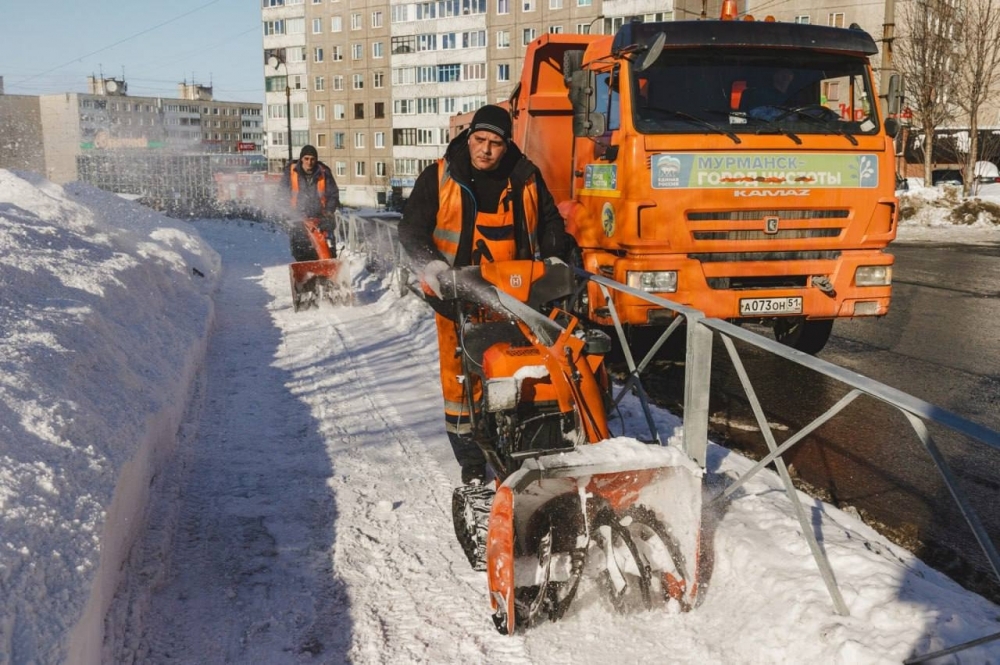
(571, 506)
(320, 279)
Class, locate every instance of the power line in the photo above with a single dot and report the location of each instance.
(121, 41)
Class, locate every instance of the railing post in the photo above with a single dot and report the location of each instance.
(697, 380)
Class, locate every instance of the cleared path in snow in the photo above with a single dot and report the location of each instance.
(307, 519)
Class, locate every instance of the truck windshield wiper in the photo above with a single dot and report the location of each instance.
(807, 113)
(693, 119)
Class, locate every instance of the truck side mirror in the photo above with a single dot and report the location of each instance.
(586, 121)
(894, 95)
(891, 127)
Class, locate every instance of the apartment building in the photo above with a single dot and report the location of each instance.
(372, 83)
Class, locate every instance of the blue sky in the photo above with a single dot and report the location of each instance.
(52, 47)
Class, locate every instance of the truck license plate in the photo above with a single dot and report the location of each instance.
(768, 306)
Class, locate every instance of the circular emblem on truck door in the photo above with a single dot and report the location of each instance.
(608, 219)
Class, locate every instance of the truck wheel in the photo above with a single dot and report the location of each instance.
(806, 336)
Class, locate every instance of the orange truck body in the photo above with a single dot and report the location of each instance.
(757, 219)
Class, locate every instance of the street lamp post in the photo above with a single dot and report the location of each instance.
(274, 61)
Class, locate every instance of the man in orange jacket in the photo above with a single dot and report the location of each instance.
(483, 201)
(313, 193)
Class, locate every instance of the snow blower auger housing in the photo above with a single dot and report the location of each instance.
(572, 508)
(321, 279)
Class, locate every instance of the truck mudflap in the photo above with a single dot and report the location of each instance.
(619, 516)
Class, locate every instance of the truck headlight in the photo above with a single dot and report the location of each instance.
(873, 276)
(653, 282)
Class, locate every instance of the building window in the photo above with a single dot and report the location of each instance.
(336, 23)
(296, 26)
(318, 54)
(376, 19)
(274, 27)
(528, 5)
(584, 3)
(804, 18)
(503, 39)
(338, 140)
(358, 81)
(359, 139)
(341, 169)
(378, 80)
(377, 50)
(503, 6)
(357, 51)
(319, 84)
(400, 13)
(338, 111)
(527, 36)
(503, 72)
(321, 111)
(447, 73)
(336, 53)
(355, 21)
(359, 169)
(380, 169)
(403, 44)
(317, 26)
(321, 140)
(555, 29)
(359, 111)
(299, 110)
(835, 19)
(379, 137)
(474, 39)
(555, 4)
(474, 72)
(338, 82)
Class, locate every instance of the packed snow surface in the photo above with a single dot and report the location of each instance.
(190, 472)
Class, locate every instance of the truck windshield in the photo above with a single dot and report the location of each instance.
(754, 92)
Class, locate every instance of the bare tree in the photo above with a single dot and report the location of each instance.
(979, 72)
(925, 55)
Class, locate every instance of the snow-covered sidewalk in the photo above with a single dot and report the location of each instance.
(301, 513)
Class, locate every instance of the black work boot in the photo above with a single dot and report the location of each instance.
(470, 457)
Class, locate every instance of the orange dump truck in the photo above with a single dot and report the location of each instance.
(740, 167)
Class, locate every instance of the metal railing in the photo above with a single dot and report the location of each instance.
(376, 238)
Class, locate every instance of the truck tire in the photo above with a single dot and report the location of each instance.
(806, 336)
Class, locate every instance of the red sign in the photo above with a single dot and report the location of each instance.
(246, 146)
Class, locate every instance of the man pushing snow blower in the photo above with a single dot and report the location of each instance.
(525, 392)
(313, 199)
(484, 201)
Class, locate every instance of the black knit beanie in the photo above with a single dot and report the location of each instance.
(308, 150)
(494, 119)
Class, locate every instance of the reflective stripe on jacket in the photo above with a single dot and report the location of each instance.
(320, 186)
(497, 229)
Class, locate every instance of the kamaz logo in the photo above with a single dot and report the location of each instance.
(515, 281)
(771, 192)
(770, 225)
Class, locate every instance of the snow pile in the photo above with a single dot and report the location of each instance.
(104, 317)
(312, 480)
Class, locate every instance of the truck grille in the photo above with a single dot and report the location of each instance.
(754, 234)
(727, 257)
(751, 215)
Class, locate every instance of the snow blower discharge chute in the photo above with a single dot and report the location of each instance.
(573, 512)
(321, 279)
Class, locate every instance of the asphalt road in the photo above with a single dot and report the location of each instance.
(940, 342)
